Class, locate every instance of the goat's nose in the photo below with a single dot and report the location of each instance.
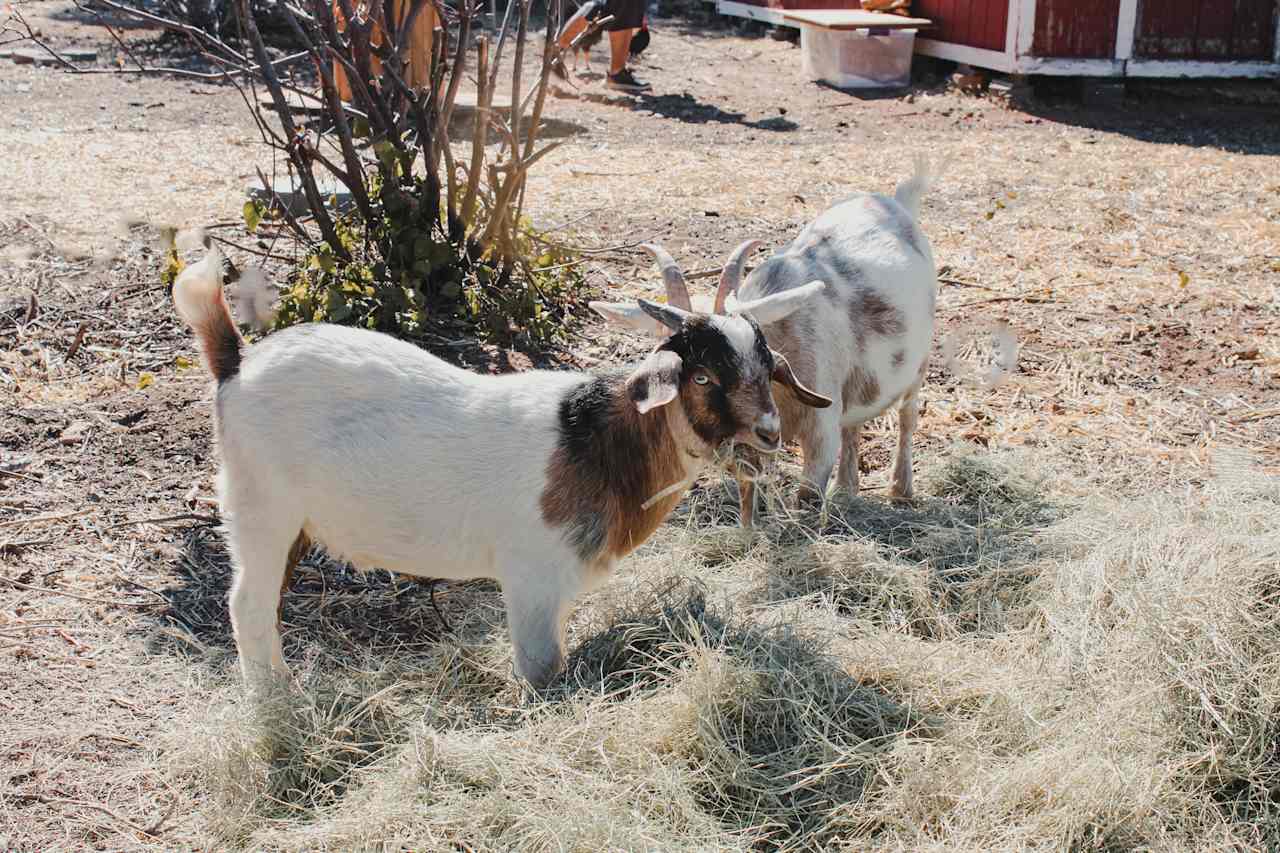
(770, 437)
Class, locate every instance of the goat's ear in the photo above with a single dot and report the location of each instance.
(770, 309)
(668, 315)
(783, 375)
(656, 381)
(631, 315)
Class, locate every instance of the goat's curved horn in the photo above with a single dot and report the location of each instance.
(731, 277)
(677, 290)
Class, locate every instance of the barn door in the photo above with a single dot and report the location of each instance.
(1206, 29)
(1076, 29)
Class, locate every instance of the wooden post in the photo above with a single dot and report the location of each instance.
(419, 45)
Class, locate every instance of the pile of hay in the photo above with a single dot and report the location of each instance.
(998, 667)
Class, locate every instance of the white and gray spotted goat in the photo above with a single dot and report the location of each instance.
(865, 344)
(397, 460)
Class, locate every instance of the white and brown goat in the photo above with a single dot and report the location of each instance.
(395, 459)
(865, 344)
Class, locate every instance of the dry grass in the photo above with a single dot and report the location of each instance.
(1002, 666)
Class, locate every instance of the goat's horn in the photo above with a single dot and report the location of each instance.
(677, 290)
(731, 277)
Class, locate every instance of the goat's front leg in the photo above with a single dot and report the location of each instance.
(821, 444)
(750, 464)
(908, 418)
(538, 606)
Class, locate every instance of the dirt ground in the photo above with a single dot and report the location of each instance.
(1133, 251)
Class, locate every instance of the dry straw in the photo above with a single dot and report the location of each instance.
(1000, 666)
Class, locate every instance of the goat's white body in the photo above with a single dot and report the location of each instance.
(867, 246)
(395, 460)
(390, 456)
(877, 237)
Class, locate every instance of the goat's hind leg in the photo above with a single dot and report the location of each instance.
(908, 417)
(264, 550)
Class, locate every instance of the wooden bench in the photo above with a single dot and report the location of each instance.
(878, 23)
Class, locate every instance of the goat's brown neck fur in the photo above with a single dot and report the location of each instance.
(598, 487)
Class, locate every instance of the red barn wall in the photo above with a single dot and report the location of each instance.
(1208, 30)
(976, 23)
(1076, 29)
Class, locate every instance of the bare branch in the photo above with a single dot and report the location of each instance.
(279, 204)
(484, 97)
(169, 24)
(296, 149)
(353, 177)
(517, 67)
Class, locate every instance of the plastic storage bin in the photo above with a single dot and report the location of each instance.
(857, 59)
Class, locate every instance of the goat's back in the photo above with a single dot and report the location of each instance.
(866, 344)
(391, 456)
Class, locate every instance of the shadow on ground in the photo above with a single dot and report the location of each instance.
(683, 108)
(959, 559)
(328, 607)
(778, 710)
(1237, 116)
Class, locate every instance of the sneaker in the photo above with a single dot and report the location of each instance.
(625, 81)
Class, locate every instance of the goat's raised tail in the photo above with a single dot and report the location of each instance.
(197, 294)
(910, 192)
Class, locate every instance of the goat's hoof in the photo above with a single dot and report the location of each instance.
(845, 494)
(809, 501)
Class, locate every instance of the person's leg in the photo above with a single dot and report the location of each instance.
(619, 49)
(627, 15)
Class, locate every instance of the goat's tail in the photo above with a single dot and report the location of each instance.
(197, 294)
(911, 191)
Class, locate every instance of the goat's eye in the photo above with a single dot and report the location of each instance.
(701, 378)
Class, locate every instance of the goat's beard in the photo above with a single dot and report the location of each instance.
(745, 462)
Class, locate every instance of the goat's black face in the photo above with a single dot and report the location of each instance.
(725, 380)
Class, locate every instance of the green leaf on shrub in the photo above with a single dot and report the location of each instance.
(252, 215)
(386, 154)
(322, 260)
(338, 308)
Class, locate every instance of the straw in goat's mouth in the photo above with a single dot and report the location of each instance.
(723, 461)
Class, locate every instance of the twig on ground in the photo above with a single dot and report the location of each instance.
(77, 341)
(84, 804)
(77, 596)
(958, 283)
(431, 592)
(42, 519)
(186, 516)
(1034, 300)
(607, 249)
(15, 547)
